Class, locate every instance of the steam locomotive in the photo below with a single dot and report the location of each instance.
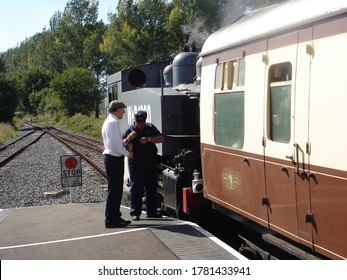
(254, 125)
(171, 98)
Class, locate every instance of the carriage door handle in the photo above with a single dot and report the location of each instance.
(291, 159)
(303, 173)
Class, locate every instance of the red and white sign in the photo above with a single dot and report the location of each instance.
(71, 170)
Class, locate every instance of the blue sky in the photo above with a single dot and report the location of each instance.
(21, 19)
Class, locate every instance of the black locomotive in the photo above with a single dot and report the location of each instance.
(170, 95)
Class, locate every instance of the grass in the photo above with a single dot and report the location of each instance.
(7, 132)
(89, 125)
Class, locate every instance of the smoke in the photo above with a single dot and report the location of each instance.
(197, 32)
(197, 35)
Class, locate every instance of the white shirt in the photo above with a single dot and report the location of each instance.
(112, 137)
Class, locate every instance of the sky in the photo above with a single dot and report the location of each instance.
(21, 19)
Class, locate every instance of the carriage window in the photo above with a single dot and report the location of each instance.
(229, 119)
(218, 79)
(230, 74)
(280, 102)
(241, 72)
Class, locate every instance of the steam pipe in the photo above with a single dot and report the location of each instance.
(161, 85)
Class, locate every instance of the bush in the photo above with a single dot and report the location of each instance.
(8, 98)
(89, 125)
(7, 132)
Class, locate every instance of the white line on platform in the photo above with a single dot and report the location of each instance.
(71, 239)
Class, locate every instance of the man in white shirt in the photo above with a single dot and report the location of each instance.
(114, 164)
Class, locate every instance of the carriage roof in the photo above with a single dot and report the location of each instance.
(275, 19)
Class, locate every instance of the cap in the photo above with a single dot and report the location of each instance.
(141, 116)
(115, 104)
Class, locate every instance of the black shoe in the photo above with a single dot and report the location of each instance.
(114, 225)
(135, 218)
(155, 215)
(124, 222)
(121, 223)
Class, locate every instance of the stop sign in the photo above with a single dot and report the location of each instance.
(71, 170)
(71, 162)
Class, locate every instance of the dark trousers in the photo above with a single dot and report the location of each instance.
(143, 180)
(115, 176)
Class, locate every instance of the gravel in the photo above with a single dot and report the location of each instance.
(34, 178)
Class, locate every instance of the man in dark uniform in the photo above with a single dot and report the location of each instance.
(142, 137)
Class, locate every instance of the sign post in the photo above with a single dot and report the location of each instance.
(71, 173)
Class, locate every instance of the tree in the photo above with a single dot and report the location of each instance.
(44, 52)
(77, 90)
(152, 42)
(2, 64)
(29, 82)
(49, 104)
(138, 34)
(79, 34)
(15, 59)
(153, 30)
(119, 44)
(8, 98)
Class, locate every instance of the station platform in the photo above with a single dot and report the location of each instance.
(76, 231)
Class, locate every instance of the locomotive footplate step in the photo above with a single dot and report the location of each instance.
(76, 231)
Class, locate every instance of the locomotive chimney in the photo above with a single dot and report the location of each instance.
(167, 75)
(184, 68)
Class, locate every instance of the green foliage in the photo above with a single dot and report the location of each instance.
(78, 34)
(8, 98)
(29, 82)
(2, 63)
(48, 104)
(140, 33)
(89, 125)
(197, 20)
(44, 52)
(77, 90)
(7, 132)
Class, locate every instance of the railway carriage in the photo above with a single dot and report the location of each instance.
(273, 103)
(262, 139)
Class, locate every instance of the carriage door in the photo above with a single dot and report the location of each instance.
(281, 149)
(301, 146)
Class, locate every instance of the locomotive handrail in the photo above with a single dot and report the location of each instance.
(182, 135)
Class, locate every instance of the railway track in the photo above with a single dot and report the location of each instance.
(14, 148)
(89, 149)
